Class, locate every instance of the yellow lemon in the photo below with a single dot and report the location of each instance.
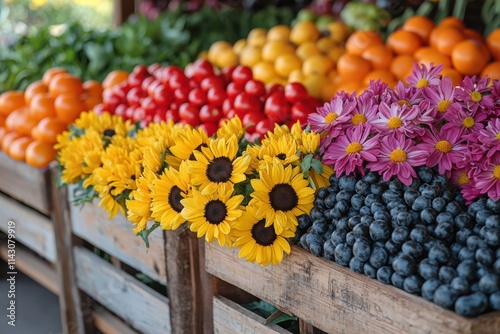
(317, 64)
(257, 37)
(279, 33)
(286, 63)
(307, 49)
(271, 50)
(239, 45)
(263, 71)
(304, 31)
(315, 83)
(250, 55)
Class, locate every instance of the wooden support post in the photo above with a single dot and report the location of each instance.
(122, 9)
(76, 307)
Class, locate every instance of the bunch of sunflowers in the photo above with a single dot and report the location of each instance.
(223, 188)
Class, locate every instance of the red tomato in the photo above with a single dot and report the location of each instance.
(121, 110)
(134, 96)
(153, 68)
(255, 88)
(172, 114)
(233, 89)
(295, 92)
(146, 82)
(163, 95)
(197, 97)
(276, 107)
(251, 119)
(210, 114)
(244, 103)
(202, 69)
(149, 105)
(209, 128)
(300, 110)
(216, 96)
(178, 80)
(211, 82)
(275, 88)
(189, 114)
(139, 115)
(241, 75)
(136, 78)
(181, 94)
(263, 126)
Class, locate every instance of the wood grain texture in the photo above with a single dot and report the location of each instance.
(143, 308)
(337, 300)
(115, 237)
(230, 318)
(33, 229)
(107, 323)
(24, 183)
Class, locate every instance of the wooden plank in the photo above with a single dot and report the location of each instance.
(337, 300)
(33, 229)
(38, 269)
(230, 318)
(122, 9)
(115, 237)
(26, 184)
(108, 323)
(137, 304)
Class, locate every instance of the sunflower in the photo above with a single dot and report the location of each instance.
(213, 215)
(281, 194)
(138, 206)
(154, 142)
(321, 180)
(167, 193)
(231, 127)
(309, 142)
(278, 131)
(218, 165)
(187, 140)
(257, 242)
(106, 124)
(283, 149)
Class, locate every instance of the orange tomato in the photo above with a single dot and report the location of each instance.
(8, 138)
(42, 105)
(469, 57)
(114, 78)
(424, 51)
(420, 25)
(12, 121)
(452, 74)
(493, 43)
(64, 83)
(474, 34)
(2, 120)
(39, 154)
(10, 101)
(402, 66)
(404, 42)
(382, 75)
(91, 101)
(50, 73)
(492, 70)
(33, 89)
(379, 56)
(452, 21)
(447, 38)
(47, 130)
(435, 58)
(17, 149)
(3, 131)
(22, 122)
(68, 107)
(360, 40)
(352, 67)
(92, 87)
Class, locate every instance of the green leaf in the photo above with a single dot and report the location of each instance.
(317, 166)
(144, 234)
(306, 164)
(282, 318)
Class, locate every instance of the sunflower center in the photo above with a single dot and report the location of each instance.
(353, 147)
(403, 103)
(219, 169)
(264, 236)
(215, 212)
(443, 146)
(358, 119)
(463, 179)
(109, 132)
(422, 83)
(281, 156)
(174, 199)
(398, 155)
(476, 96)
(330, 117)
(496, 172)
(283, 197)
(443, 105)
(197, 148)
(394, 122)
(468, 122)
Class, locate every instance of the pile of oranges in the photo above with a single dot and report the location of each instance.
(284, 54)
(31, 120)
(460, 50)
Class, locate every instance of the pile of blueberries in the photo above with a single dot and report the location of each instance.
(420, 238)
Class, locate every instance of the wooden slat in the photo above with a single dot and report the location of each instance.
(107, 323)
(38, 269)
(115, 237)
(230, 318)
(33, 229)
(122, 9)
(24, 183)
(337, 300)
(140, 306)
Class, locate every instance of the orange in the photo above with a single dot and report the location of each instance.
(68, 107)
(452, 21)
(17, 148)
(92, 87)
(404, 42)
(65, 83)
(361, 40)
(42, 105)
(33, 89)
(447, 38)
(469, 57)
(492, 70)
(493, 43)
(452, 74)
(435, 58)
(39, 154)
(402, 66)
(8, 138)
(380, 56)
(10, 101)
(338, 31)
(384, 76)
(420, 25)
(47, 130)
(113, 78)
(50, 73)
(353, 67)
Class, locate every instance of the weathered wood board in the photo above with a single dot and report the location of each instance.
(143, 308)
(337, 300)
(32, 229)
(24, 183)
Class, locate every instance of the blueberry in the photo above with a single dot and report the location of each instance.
(463, 220)
(316, 247)
(460, 285)
(439, 204)
(471, 305)
(400, 234)
(369, 270)
(371, 177)
(495, 300)
(378, 188)
(375, 206)
(372, 198)
(415, 217)
(362, 249)
(404, 265)
(391, 195)
(384, 274)
(362, 187)
(496, 266)
(485, 256)
(413, 249)
(338, 236)
(493, 206)
(343, 223)
(316, 213)
(391, 205)
(445, 217)
(304, 222)
(382, 215)
(467, 269)
(342, 206)
(419, 234)
(397, 209)
(428, 269)
(432, 191)
(350, 238)
(448, 196)
(410, 195)
(443, 231)
(474, 242)
(404, 219)
(413, 284)
(475, 206)
(329, 250)
(466, 254)
(353, 221)
(421, 203)
(415, 184)
(397, 280)
(361, 230)
(455, 248)
(330, 201)
(454, 208)
(425, 174)
(391, 247)
(380, 230)
(440, 179)
(322, 192)
(439, 253)
(344, 195)
(368, 219)
(319, 203)
(482, 215)
(303, 241)
(445, 296)
(474, 287)
(429, 287)
(493, 222)
(357, 201)
(489, 283)
(319, 226)
(446, 274)
(333, 179)
(356, 265)
(347, 182)
(462, 235)
(428, 215)
(343, 254)
(378, 257)
(365, 211)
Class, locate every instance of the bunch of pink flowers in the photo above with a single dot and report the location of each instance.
(426, 123)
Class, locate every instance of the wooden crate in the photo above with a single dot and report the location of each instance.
(337, 300)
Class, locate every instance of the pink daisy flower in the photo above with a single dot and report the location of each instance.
(404, 95)
(376, 89)
(460, 178)
(398, 156)
(474, 93)
(365, 111)
(487, 181)
(441, 97)
(350, 151)
(489, 137)
(421, 77)
(396, 118)
(463, 120)
(445, 147)
(331, 116)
